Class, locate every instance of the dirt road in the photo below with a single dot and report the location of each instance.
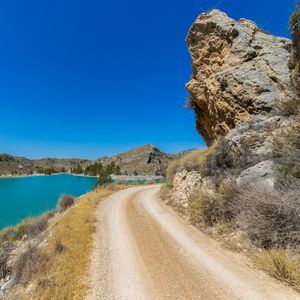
(143, 250)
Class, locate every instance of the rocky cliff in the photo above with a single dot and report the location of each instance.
(239, 73)
(243, 90)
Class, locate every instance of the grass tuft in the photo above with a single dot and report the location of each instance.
(282, 265)
(65, 202)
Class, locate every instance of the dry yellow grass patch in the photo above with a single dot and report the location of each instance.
(68, 249)
(191, 161)
(281, 264)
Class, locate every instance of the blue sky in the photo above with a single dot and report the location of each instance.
(91, 78)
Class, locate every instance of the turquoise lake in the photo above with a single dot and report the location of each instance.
(29, 196)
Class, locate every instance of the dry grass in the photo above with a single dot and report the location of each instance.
(270, 218)
(29, 227)
(65, 202)
(210, 206)
(289, 107)
(281, 264)
(29, 264)
(191, 161)
(68, 250)
(286, 147)
(164, 192)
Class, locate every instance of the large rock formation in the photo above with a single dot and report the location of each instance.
(241, 77)
(238, 72)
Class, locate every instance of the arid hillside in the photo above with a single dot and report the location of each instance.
(144, 160)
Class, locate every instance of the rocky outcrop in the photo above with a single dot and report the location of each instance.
(241, 77)
(186, 184)
(260, 175)
(238, 72)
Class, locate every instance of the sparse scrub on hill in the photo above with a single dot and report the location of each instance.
(286, 147)
(191, 161)
(68, 249)
(65, 202)
(97, 168)
(208, 207)
(29, 227)
(55, 269)
(4, 257)
(270, 218)
(39, 224)
(77, 170)
(218, 161)
(29, 264)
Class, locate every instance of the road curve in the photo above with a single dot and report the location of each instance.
(143, 250)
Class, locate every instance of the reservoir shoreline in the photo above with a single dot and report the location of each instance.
(29, 196)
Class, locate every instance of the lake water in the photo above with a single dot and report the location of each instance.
(29, 196)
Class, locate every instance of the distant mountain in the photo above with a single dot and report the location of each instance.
(144, 160)
(16, 165)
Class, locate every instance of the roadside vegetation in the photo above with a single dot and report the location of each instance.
(47, 257)
(67, 249)
(245, 217)
(263, 221)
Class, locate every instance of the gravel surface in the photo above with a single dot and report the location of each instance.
(143, 250)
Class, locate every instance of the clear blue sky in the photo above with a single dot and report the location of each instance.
(88, 78)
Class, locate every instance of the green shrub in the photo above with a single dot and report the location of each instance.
(77, 170)
(104, 179)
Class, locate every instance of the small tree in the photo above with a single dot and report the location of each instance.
(104, 179)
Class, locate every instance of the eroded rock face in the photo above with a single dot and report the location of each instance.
(184, 185)
(238, 71)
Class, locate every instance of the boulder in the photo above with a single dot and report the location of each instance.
(260, 175)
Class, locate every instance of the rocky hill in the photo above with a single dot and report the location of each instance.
(15, 165)
(144, 160)
(245, 187)
(241, 86)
